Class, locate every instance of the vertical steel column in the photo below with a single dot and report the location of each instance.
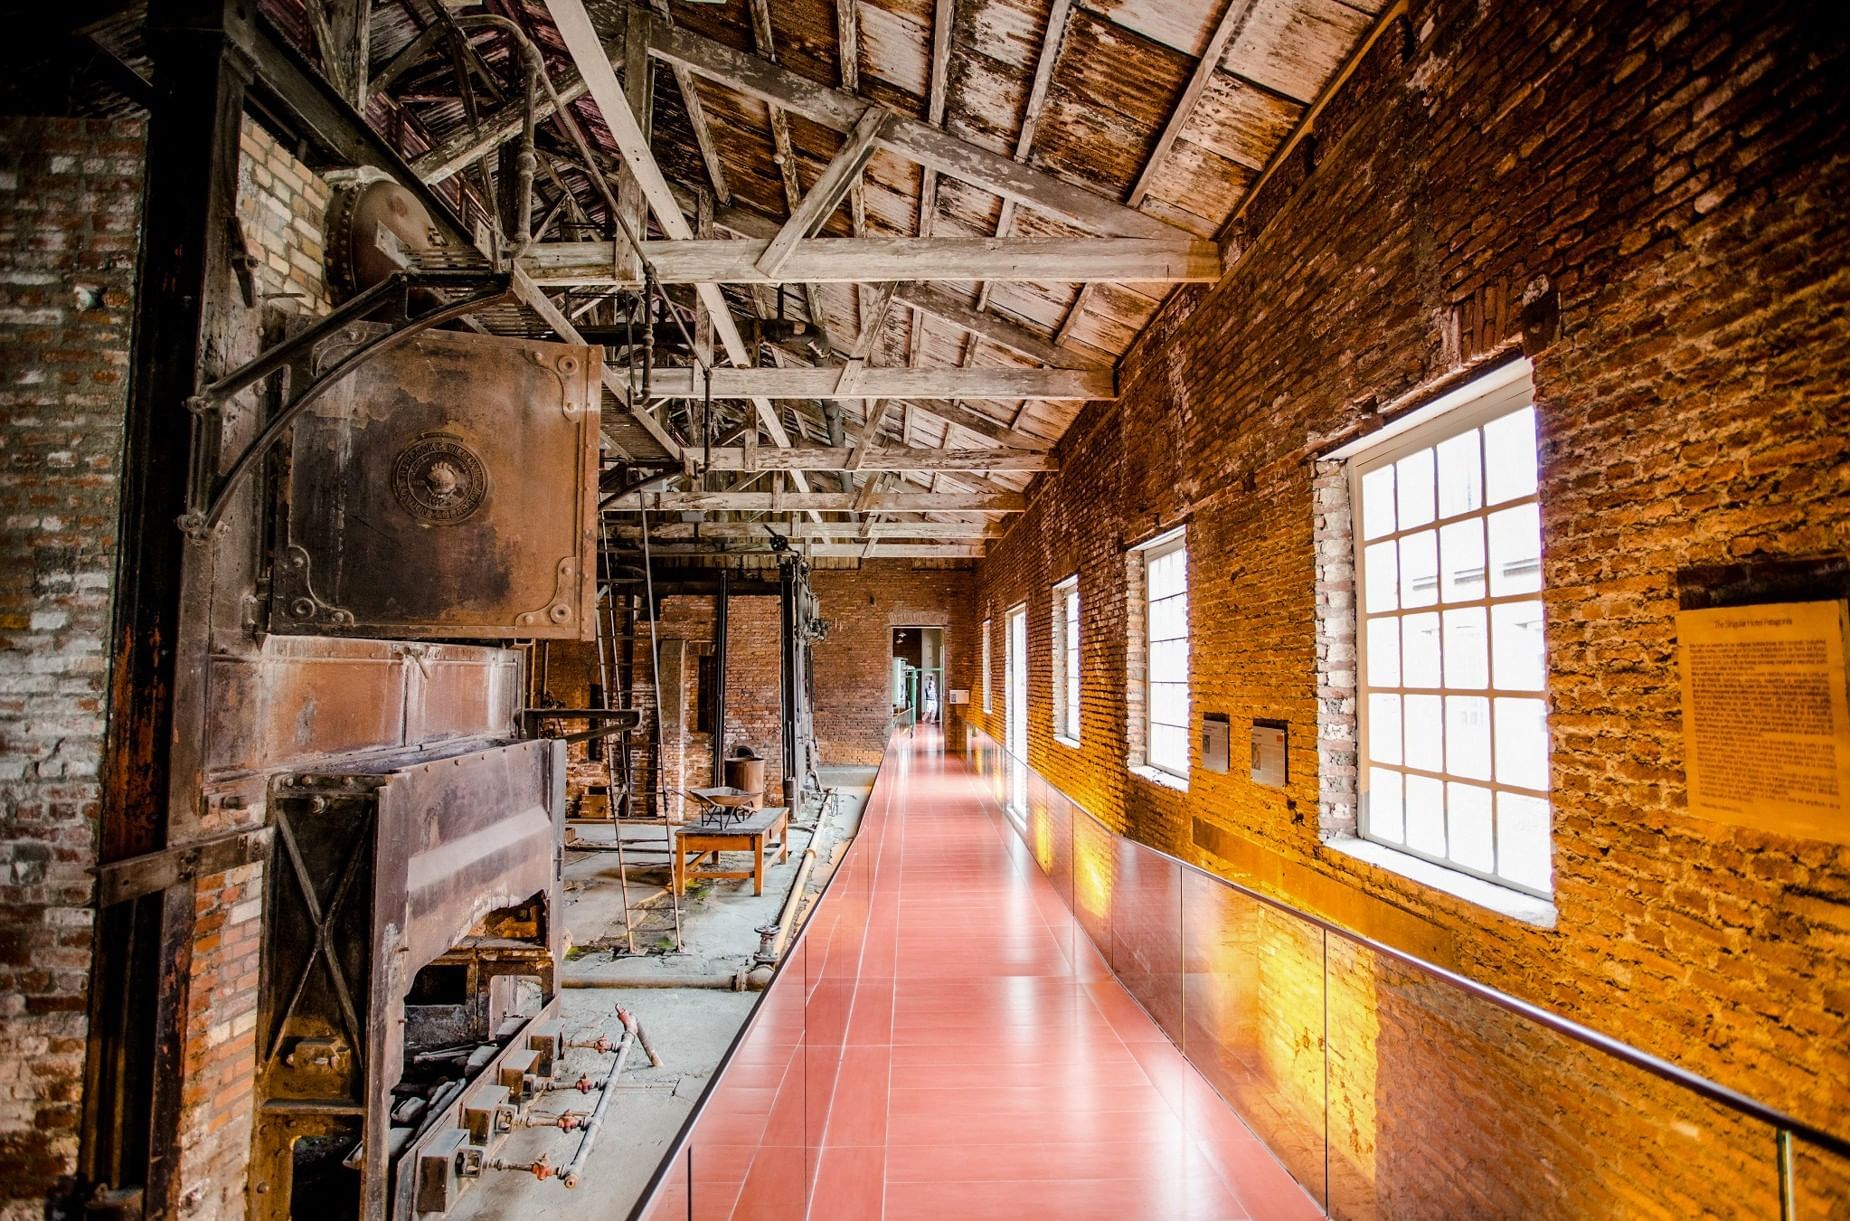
(183, 283)
(789, 670)
(720, 614)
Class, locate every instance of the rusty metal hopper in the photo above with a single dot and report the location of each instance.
(446, 488)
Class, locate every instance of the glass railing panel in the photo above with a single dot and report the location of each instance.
(673, 1196)
(1050, 840)
(1444, 1102)
(1095, 860)
(1253, 1004)
(1146, 932)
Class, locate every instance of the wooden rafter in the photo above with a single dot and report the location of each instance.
(846, 260)
(938, 94)
(783, 152)
(1051, 39)
(820, 532)
(788, 502)
(904, 136)
(826, 195)
(881, 458)
(926, 383)
(588, 52)
(848, 54)
(697, 118)
(1232, 21)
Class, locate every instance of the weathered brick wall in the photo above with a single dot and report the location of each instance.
(852, 664)
(1676, 175)
(282, 206)
(70, 193)
(69, 206)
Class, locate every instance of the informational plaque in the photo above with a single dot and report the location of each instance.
(1765, 718)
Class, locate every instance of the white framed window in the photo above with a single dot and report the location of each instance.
(1066, 660)
(1165, 622)
(1453, 733)
(988, 705)
(1015, 708)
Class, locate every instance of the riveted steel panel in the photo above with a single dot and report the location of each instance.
(446, 488)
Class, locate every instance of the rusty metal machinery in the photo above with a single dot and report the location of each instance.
(377, 228)
(444, 488)
(411, 950)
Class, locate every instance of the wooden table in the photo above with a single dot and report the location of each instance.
(694, 841)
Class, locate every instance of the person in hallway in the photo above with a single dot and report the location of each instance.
(931, 699)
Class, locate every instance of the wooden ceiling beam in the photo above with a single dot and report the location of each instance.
(594, 66)
(934, 299)
(907, 137)
(879, 458)
(819, 532)
(878, 551)
(849, 260)
(842, 502)
(826, 195)
(927, 383)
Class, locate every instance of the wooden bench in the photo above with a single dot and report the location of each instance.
(694, 841)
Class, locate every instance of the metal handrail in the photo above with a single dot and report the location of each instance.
(679, 1145)
(1624, 1052)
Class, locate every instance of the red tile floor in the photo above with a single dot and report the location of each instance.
(945, 1042)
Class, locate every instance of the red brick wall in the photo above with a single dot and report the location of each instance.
(69, 203)
(1677, 176)
(854, 664)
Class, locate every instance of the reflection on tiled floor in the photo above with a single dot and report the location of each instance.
(946, 1043)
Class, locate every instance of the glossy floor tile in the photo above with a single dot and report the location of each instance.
(945, 1041)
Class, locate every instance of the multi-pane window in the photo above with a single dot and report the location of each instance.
(1165, 566)
(1448, 555)
(1015, 708)
(1066, 659)
(988, 706)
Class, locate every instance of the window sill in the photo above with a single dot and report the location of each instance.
(1501, 899)
(1157, 775)
(1063, 740)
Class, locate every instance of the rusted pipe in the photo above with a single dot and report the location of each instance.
(634, 1028)
(728, 983)
(569, 1175)
(792, 902)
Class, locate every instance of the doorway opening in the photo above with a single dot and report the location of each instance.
(917, 678)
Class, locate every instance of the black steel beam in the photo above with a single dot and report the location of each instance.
(132, 1108)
